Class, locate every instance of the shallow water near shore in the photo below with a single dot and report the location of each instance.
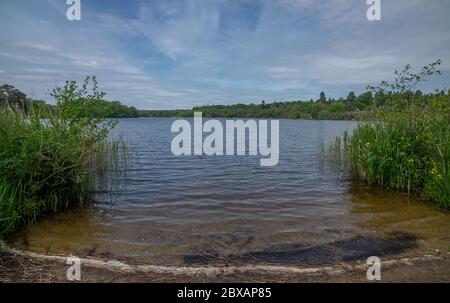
(193, 210)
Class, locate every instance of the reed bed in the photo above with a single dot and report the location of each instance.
(49, 160)
(406, 146)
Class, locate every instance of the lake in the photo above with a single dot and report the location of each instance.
(175, 210)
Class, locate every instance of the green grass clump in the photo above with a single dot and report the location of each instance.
(47, 158)
(407, 146)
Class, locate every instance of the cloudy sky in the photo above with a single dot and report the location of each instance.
(177, 54)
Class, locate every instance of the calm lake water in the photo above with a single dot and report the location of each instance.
(198, 209)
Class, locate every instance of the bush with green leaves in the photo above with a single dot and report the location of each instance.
(407, 145)
(46, 164)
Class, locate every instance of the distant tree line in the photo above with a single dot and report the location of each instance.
(11, 97)
(353, 107)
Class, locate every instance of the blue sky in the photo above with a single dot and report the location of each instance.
(177, 54)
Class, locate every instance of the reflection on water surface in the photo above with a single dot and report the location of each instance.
(197, 210)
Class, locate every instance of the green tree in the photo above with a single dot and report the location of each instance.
(350, 101)
(322, 98)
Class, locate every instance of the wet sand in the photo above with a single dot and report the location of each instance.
(15, 268)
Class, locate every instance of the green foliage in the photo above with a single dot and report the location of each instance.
(11, 97)
(407, 146)
(87, 102)
(336, 107)
(90, 103)
(82, 103)
(46, 164)
(322, 98)
(320, 109)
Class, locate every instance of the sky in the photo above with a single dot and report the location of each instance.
(179, 54)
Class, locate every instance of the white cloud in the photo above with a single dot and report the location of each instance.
(285, 72)
(86, 63)
(178, 54)
(34, 45)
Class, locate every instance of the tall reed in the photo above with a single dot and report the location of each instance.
(47, 160)
(407, 146)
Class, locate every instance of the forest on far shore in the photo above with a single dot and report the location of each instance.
(353, 107)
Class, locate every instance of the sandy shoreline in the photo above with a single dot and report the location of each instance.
(19, 266)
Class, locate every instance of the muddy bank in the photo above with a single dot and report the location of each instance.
(429, 268)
